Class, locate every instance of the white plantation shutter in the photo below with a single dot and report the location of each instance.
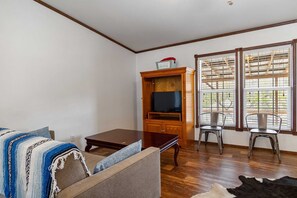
(267, 84)
(217, 86)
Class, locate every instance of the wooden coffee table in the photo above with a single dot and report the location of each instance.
(119, 138)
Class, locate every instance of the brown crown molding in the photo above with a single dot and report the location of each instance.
(82, 24)
(170, 45)
(223, 35)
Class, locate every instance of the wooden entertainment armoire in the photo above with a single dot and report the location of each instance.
(167, 80)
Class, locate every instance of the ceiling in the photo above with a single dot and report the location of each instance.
(144, 24)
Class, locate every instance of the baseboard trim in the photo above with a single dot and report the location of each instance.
(244, 147)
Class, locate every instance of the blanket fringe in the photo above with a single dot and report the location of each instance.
(59, 164)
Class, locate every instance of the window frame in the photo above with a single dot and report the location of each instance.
(239, 80)
(219, 90)
(287, 88)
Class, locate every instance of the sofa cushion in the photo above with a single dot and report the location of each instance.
(92, 159)
(43, 132)
(118, 156)
(73, 170)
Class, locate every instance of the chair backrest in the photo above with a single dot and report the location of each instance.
(263, 121)
(212, 119)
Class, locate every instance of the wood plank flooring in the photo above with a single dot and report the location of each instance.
(197, 171)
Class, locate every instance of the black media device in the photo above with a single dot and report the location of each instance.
(166, 101)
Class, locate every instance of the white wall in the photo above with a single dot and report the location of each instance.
(185, 56)
(56, 73)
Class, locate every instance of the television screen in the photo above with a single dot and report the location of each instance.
(166, 101)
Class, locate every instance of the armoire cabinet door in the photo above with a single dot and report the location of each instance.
(154, 127)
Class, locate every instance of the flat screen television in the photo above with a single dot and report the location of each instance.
(166, 101)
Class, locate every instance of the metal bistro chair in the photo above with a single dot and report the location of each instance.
(215, 125)
(262, 130)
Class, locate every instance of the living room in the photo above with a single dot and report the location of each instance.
(57, 73)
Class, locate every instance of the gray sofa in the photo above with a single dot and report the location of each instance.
(136, 177)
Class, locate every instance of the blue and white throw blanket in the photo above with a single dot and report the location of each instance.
(28, 164)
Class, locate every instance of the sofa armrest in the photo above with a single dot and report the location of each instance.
(136, 177)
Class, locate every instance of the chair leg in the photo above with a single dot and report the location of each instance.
(277, 149)
(250, 147)
(272, 144)
(206, 137)
(251, 143)
(200, 136)
(219, 142)
(222, 139)
(254, 141)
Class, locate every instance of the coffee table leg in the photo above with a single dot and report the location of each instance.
(88, 147)
(176, 150)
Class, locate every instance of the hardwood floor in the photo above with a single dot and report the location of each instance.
(197, 171)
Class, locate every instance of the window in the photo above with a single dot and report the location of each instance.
(267, 84)
(258, 79)
(217, 86)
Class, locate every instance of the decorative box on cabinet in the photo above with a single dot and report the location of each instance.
(176, 79)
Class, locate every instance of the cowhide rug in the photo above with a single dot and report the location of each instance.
(216, 191)
(285, 187)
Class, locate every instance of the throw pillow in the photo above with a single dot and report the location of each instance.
(118, 156)
(43, 132)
